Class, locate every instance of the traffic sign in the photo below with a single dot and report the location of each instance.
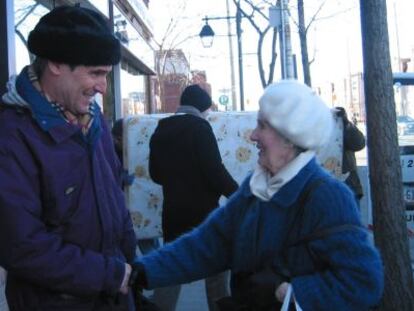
(224, 100)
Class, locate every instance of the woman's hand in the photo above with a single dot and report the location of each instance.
(281, 291)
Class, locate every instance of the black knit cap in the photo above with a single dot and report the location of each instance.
(195, 96)
(75, 36)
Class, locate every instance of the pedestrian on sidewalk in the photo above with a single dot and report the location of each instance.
(186, 162)
(289, 225)
(353, 141)
(66, 237)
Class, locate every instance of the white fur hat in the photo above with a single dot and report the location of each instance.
(297, 113)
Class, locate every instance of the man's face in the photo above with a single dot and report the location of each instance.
(77, 87)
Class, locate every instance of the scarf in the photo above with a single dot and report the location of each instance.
(189, 110)
(264, 186)
(83, 121)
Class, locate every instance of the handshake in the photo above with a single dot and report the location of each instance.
(136, 279)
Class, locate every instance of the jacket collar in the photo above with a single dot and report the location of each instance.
(290, 192)
(47, 117)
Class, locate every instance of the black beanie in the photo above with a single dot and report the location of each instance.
(75, 36)
(195, 96)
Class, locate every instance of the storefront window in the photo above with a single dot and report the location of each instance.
(26, 15)
(132, 40)
(133, 83)
(132, 93)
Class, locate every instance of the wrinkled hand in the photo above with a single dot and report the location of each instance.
(281, 291)
(263, 286)
(124, 285)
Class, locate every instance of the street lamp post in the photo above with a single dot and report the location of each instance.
(207, 35)
(279, 18)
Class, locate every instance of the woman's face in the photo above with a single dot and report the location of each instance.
(274, 150)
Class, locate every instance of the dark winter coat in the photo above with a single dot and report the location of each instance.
(65, 233)
(186, 162)
(354, 141)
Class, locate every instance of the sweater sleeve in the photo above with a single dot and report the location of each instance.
(352, 275)
(211, 163)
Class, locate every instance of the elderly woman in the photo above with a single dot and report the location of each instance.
(290, 222)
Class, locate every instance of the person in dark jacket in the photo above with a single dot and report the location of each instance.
(66, 237)
(186, 162)
(353, 141)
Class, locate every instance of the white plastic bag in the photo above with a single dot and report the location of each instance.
(287, 300)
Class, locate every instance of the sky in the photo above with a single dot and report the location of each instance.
(334, 40)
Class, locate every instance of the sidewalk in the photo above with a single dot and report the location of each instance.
(192, 297)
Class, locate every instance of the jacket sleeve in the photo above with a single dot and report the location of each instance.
(211, 163)
(354, 140)
(31, 251)
(352, 273)
(204, 251)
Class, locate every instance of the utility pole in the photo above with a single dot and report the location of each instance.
(240, 52)
(232, 71)
(285, 42)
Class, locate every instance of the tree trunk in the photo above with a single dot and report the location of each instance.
(304, 44)
(390, 228)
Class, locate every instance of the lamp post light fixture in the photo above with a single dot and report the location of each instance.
(207, 36)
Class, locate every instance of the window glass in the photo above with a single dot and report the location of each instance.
(132, 39)
(132, 93)
(26, 15)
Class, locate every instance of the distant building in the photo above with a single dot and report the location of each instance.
(173, 72)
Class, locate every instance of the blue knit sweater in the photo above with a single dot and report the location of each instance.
(247, 233)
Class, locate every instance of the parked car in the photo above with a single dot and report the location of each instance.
(405, 125)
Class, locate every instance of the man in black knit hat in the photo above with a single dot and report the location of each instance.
(66, 237)
(186, 162)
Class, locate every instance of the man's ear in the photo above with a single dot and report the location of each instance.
(55, 68)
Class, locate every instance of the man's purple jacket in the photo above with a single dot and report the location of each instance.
(65, 233)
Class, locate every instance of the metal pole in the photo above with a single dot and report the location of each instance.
(7, 49)
(239, 45)
(117, 111)
(232, 71)
(287, 65)
(282, 40)
(288, 42)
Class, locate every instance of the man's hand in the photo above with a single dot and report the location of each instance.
(124, 285)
